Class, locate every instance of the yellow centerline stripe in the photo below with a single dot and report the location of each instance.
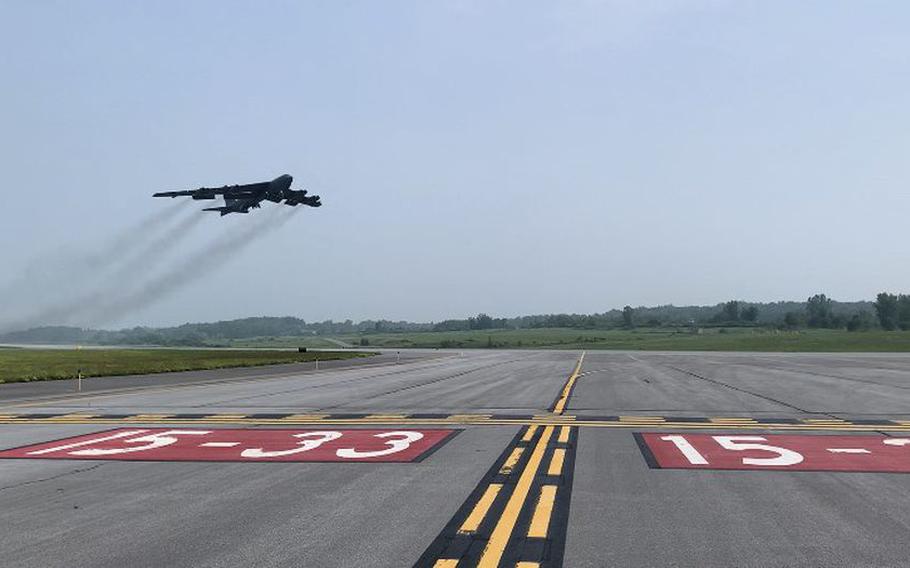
(559, 456)
(560, 405)
(472, 523)
(492, 553)
(540, 521)
(510, 462)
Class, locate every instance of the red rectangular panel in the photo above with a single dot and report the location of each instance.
(857, 453)
(241, 445)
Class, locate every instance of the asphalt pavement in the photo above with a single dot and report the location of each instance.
(475, 458)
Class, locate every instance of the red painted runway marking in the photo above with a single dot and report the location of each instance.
(241, 445)
(777, 452)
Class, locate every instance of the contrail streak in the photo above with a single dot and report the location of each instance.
(190, 269)
(44, 275)
(74, 293)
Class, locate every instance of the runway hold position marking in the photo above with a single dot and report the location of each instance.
(242, 445)
(858, 453)
(518, 514)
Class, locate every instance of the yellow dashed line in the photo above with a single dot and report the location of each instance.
(143, 417)
(385, 417)
(529, 433)
(466, 417)
(446, 563)
(305, 417)
(492, 554)
(527, 565)
(75, 417)
(540, 522)
(564, 434)
(472, 523)
(559, 456)
(510, 462)
(225, 417)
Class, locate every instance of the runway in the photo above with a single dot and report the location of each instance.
(475, 458)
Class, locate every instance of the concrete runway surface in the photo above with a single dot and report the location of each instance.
(480, 458)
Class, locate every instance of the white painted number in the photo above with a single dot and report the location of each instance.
(735, 443)
(319, 438)
(687, 450)
(395, 445)
(155, 440)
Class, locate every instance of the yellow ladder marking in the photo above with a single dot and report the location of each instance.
(529, 433)
(496, 546)
(540, 522)
(564, 434)
(559, 456)
(471, 524)
(513, 458)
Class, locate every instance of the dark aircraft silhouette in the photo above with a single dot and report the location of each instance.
(242, 198)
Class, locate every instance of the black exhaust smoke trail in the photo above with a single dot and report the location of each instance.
(73, 301)
(49, 271)
(191, 268)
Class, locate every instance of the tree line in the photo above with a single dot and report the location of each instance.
(888, 312)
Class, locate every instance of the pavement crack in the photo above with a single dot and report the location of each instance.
(427, 383)
(53, 477)
(745, 391)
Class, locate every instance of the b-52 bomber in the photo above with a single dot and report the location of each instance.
(242, 198)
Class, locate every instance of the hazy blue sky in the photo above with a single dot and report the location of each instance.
(507, 157)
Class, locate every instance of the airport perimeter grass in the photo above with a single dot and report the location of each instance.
(651, 339)
(17, 365)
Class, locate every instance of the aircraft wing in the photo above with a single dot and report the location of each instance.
(232, 191)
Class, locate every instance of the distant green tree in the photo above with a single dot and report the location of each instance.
(887, 308)
(792, 320)
(903, 311)
(818, 311)
(628, 316)
(861, 321)
(731, 311)
(481, 321)
(750, 314)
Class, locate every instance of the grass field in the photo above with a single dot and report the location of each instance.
(283, 342)
(712, 339)
(18, 365)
